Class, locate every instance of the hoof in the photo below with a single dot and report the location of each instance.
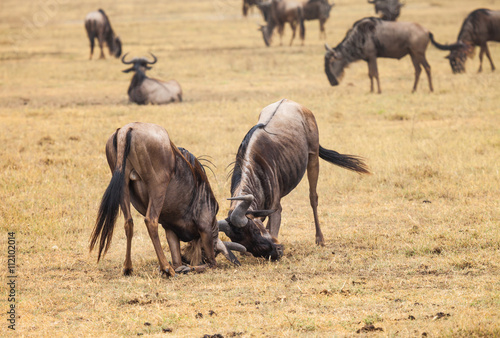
(183, 269)
(127, 272)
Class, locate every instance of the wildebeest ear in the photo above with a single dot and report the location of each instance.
(259, 213)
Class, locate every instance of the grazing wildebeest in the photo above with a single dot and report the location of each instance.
(281, 12)
(270, 163)
(165, 184)
(389, 9)
(370, 38)
(480, 26)
(318, 10)
(144, 90)
(98, 26)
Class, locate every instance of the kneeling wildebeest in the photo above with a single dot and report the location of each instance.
(144, 90)
(271, 161)
(370, 38)
(480, 26)
(98, 26)
(165, 184)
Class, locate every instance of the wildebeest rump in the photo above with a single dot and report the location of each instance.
(98, 26)
(281, 12)
(271, 161)
(165, 184)
(389, 9)
(145, 90)
(370, 38)
(480, 26)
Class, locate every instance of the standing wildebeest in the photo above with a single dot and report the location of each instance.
(270, 163)
(318, 10)
(98, 26)
(165, 184)
(144, 90)
(480, 26)
(281, 12)
(249, 3)
(390, 9)
(370, 38)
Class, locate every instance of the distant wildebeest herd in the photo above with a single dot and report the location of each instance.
(168, 185)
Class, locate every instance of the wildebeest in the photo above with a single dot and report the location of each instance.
(165, 184)
(281, 12)
(270, 163)
(98, 26)
(480, 26)
(389, 9)
(249, 3)
(144, 90)
(370, 38)
(318, 10)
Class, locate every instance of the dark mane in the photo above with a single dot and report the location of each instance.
(200, 177)
(353, 42)
(470, 23)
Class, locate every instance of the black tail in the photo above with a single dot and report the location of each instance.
(110, 203)
(350, 162)
(443, 47)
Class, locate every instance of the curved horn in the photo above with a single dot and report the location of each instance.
(126, 62)
(224, 227)
(328, 49)
(238, 217)
(222, 247)
(154, 61)
(235, 246)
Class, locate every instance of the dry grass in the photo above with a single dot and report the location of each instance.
(418, 238)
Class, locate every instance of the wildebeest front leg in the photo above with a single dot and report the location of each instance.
(294, 29)
(484, 49)
(312, 177)
(155, 204)
(274, 222)
(373, 73)
(175, 248)
(207, 242)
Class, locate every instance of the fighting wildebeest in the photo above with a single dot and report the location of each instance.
(271, 161)
(167, 185)
(281, 12)
(389, 9)
(98, 26)
(318, 10)
(370, 38)
(144, 90)
(480, 26)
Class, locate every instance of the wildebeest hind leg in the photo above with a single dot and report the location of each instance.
(129, 231)
(418, 70)
(487, 51)
(312, 177)
(294, 29)
(427, 68)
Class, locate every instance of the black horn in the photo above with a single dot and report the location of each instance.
(127, 62)
(154, 59)
(238, 217)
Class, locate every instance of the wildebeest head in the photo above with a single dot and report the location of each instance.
(458, 56)
(245, 227)
(334, 65)
(117, 46)
(139, 64)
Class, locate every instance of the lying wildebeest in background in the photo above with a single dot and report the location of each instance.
(270, 163)
(281, 12)
(98, 26)
(144, 90)
(165, 184)
(318, 10)
(389, 9)
(370, 38)
(480, 26)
